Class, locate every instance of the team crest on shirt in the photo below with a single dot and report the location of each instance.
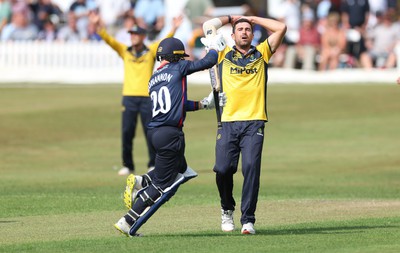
(237, 56)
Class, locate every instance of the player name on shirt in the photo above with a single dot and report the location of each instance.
(163, 77)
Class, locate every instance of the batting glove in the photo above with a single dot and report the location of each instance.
(208, 102)
(217, 42)
(222, 99)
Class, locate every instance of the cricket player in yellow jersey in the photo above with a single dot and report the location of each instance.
(243, 74)
(139, 60)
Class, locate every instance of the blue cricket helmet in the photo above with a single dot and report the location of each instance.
(171, 47)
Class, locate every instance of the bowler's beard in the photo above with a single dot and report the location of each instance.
(243, 44)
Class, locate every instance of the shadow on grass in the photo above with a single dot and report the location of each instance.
(288, 231)
(8, 221)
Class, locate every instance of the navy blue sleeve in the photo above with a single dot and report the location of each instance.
(209, 60)
(192, 105)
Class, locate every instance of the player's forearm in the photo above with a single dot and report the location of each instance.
(215, 22)
(269, 24)
(209, 60)
(276, 28)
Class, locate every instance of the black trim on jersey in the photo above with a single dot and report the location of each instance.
(138, 54)
(270, 49)
(266, 90)
(245, 58)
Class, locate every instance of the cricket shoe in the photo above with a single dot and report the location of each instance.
(123, 226)
(227, 224)
(124, 171)
(248, 229)
(133, 185)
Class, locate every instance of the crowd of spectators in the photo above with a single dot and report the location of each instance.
(329, 34)
(322, 34)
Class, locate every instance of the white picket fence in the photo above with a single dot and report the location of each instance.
(96, 62)
(33, 61)
(85, 55)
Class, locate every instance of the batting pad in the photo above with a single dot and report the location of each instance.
(165, 196)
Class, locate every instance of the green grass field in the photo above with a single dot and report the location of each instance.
(330, 174)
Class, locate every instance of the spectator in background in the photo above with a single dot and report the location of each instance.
(198, 12)
(377, 7)
(309, 42)
(81, 9)
(150, 15)
(5, 13)
(333, 43)
(381, 42)
(323, 9)
(92, 33)
(19, 5)
(336, 5)
(49, 31)
(122, 34)
(175, 8)
(113, 12)
(70, 31)
(20, 27)
(355, 15)
(289, 14)
(43, 11)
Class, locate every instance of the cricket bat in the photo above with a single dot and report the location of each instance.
(210, 32)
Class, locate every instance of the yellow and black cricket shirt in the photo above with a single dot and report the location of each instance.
(244, 80)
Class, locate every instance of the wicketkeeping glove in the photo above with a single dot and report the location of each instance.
(217, 42)
(208, 102)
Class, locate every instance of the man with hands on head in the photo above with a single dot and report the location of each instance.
(243, 71)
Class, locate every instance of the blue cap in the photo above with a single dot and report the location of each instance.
(137, 30)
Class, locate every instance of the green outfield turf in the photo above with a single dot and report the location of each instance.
(330, 173)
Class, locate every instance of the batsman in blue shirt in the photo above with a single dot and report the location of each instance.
(168, 91)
